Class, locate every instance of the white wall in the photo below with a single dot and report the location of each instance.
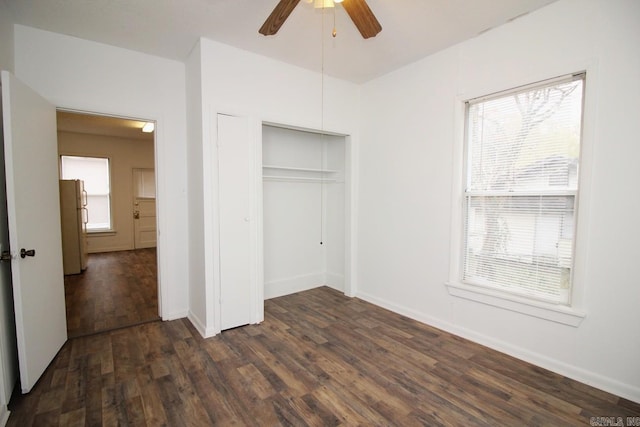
(335, 214)
(411, 128)
(82, 75)
(124, 155)
(197, 299)
(6, 38)
(242, 83)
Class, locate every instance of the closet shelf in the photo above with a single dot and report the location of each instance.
(287, 168)
(296, 179)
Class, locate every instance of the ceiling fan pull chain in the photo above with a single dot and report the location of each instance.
(322, 128)
(334, 32)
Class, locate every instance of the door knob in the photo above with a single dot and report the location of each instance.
(136, 214)
(25, 253)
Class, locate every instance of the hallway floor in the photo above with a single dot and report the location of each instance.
(118, 289)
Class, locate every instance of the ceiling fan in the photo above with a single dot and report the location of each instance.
(358, 10)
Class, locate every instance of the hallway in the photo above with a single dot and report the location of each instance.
(117, 289)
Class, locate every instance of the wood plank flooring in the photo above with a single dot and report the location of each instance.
(117, 289)
(318, 359)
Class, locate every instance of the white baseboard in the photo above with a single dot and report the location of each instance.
(627, 391)
(200, 326)
(98, 250)
(291, 285)
(175, 315)
(335, 281)
(4, 415)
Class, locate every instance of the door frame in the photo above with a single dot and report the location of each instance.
(350, 202)
(159, 189)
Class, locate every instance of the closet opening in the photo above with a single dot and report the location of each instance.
(305, 210)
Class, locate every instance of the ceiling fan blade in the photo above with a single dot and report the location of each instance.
(280, 14)
(362, 17)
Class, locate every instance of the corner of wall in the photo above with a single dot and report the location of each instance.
(7, 49)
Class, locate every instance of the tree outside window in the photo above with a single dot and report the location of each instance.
(521, 189)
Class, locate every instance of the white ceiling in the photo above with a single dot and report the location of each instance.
(411, 29)
(68, 121)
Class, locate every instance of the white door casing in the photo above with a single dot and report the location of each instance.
(33, 208)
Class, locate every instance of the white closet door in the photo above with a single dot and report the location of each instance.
(234, 177)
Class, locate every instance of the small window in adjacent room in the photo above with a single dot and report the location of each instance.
(94, 171)
(144, 183)
(522, 159)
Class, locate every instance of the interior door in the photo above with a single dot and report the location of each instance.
(234, 160)
(144, 209)
(33, 208)
(8, 349)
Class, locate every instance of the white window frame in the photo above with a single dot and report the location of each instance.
(111, 228)
(572, 314)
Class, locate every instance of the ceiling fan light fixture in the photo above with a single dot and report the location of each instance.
(358, 11)
(148, 127)
(321, 4)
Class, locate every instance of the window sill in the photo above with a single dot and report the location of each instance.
(101, 233)
(555, 313)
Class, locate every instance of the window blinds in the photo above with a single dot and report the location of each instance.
(94, 172)
(521, 188)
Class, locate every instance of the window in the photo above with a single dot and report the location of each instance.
(94, 171)
(522, 159)
(144, 184)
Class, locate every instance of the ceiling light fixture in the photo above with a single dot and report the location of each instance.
(321, 4)
(358, 11)
(148, 127)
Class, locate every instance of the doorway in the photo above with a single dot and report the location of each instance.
(119, 286)
(144, 209)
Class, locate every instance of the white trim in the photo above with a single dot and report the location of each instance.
(626, 391)
(257, 262)
(555, 313)
(4, 415)
(175, 316)
(199, 325)
(526, 193)
(524, 88)
(351, 173)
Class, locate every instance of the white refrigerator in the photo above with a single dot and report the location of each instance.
(74, 216)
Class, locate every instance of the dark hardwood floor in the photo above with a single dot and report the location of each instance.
(117, 289)
(318, 359)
